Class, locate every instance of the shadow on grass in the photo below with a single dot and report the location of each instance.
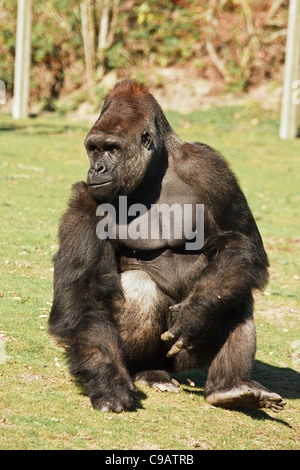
(284, 381)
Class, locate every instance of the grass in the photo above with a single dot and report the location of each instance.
(41, 406)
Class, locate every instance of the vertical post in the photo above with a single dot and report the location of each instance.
(88, 42)
(22, 60)
(288, 124)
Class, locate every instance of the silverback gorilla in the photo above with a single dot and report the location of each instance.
(132, 308)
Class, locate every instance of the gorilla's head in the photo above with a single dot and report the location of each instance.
(126, 143)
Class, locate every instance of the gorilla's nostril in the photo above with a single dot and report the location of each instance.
(99, 167)
(91, 173)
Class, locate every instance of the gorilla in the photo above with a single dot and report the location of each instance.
(139, 308)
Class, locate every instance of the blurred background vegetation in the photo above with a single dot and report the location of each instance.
(76, 44)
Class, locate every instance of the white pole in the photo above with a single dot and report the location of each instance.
(288, 124)
(22, 60)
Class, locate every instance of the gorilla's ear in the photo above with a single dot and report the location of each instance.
(146, 140)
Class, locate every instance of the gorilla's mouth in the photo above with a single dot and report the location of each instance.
(97, 185)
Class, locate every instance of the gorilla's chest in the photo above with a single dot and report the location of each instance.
(174, 219)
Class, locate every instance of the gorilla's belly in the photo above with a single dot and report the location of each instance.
(172, 270)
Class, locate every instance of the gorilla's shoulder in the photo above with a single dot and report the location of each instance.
(205, 154)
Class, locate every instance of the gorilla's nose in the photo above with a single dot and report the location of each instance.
(94, 173)
(99, 167)
(91, 174)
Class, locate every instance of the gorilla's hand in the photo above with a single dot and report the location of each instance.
(113, 393)
(186, 330)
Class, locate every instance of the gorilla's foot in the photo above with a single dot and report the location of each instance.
(160, 380)
(247, 395)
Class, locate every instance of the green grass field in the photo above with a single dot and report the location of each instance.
(41, 407)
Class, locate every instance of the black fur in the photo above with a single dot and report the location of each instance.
(134, 151)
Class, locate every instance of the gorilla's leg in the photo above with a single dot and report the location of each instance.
(141, 319)
(228, 383)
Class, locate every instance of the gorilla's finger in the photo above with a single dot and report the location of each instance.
(174, 308)
(167, 336)
(173, 351)
(176, 348)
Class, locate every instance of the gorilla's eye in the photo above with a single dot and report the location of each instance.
(146, 140)
(92, 148)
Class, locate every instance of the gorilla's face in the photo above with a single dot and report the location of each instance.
(122, 144)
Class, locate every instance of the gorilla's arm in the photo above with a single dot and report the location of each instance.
(86, 283)
(237, 262)
(233, 270)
